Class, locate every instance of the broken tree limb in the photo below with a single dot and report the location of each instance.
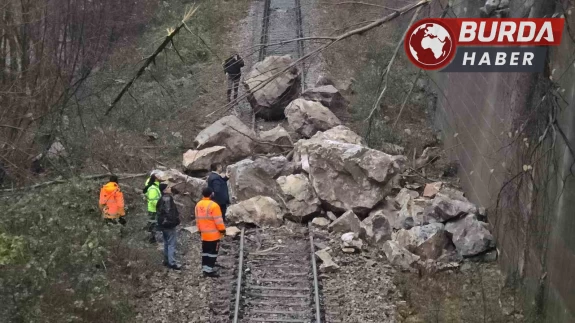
(386, 74)
(62, 181)
(152, 58)
(332, 40)
(406, 98)
(364, 4)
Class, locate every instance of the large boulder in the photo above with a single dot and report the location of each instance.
(375, 228)
(398, 255)
(470, 236)
(249, 179)
(340, 133)
(276, 140)
(270, 100)
(309, 117)
(389, 212)
(229, 132)
(190, 188)
(347, 176)
(348, 222)
(327, 95)
(427, 241)
(199, 161)
(262, 211)
(444, 208)
(300, 198)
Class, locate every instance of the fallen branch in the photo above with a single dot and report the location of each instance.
(364, 4)
(332, 40)
(386, 73)
(62, 181)
(405, 100)
(152, 58)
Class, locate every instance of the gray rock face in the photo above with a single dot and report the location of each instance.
(200, 160)
(427, 241)
(277, 136)
(444, 208)
(327, 95)
(300, 198)
(309, 117)
(348, 222)
(346, 176)
(398, 255)
(340, 133)
(413, 211)
(227, 132)
(249, 179)
(274, 166)
(470, 236)
(187, 185)
(262, 211)
(270, 100)
(376, 228)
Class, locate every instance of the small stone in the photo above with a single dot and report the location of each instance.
(407, 132)
(431, 189)
(348, 249)
(331, 216)
(320, 222)
(232, 231)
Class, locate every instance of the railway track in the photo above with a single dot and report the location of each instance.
(276, 278)
(281, 20)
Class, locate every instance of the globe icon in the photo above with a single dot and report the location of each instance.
(430, 45)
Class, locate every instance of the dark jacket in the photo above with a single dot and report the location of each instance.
(233, 66)
(220, 187)
(168, 215)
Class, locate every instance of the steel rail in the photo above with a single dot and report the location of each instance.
(239, 283)
(315, 281)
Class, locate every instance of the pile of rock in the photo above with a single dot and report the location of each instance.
(329, 176)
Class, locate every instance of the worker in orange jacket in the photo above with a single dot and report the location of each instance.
(212, 229)
(112, 202)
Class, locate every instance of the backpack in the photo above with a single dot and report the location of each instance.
(168, 216)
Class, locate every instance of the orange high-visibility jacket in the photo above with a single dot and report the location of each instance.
(209, 220)
(111, 201)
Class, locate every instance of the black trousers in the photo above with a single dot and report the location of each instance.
(209, 255)
(224, 208)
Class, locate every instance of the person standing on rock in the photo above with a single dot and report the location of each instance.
(233, 69)
(112, 202)
(153, 194)
(219, 185)
(212, 229)
(168, 220)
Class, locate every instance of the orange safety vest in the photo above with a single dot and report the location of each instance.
(112, 201)
(209, 220)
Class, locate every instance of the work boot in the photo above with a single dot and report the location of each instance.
(213, 274)
(175, 267)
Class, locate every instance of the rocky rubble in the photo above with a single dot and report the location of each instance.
(356, 194)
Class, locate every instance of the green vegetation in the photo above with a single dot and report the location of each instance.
(53, 253)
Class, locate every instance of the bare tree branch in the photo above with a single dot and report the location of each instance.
(152, 58)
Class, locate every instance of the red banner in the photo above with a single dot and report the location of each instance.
(506, 32)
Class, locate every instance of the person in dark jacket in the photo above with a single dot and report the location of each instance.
(233, 69)
(219, 185)
(168, 220)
